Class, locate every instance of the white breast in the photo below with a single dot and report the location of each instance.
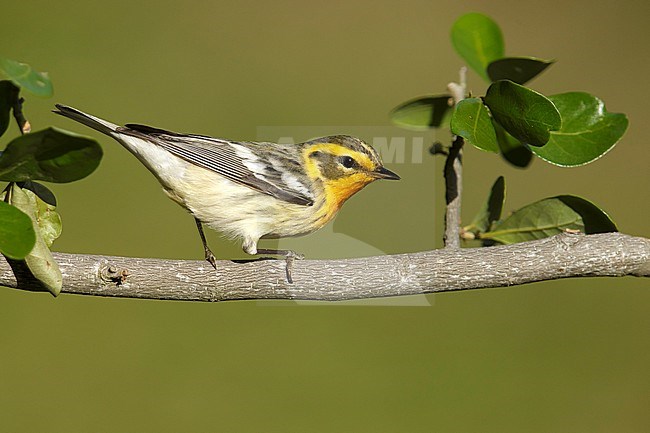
(235, 210)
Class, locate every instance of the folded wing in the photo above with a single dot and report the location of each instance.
(275, 171)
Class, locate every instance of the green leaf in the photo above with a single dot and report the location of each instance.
(478, 40)
(549, 217)
(517, 69)
(491, 210)
(22, 75)
(48, 221)
(51, 155)
(527, 115)
(8, 99)
(588, 131)
(17, 235)
(421, 113)
(472, 121)
(39, 261)
(511, 149)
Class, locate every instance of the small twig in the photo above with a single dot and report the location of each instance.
(453, 190)
(23, 123)
(453, 172)
(458, 90)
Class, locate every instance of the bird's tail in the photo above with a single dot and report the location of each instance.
(100, 125)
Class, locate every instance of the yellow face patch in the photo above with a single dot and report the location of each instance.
(313, 169)
(347, 181)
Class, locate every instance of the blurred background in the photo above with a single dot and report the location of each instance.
(568, 355)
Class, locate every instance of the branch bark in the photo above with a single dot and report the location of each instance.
(563, 256)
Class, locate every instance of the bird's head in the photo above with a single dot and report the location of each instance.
(344, 165)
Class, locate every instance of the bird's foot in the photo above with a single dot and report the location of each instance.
(289, 257)
(210, 258)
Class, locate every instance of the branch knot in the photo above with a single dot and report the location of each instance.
(569, 239)
(113, 274)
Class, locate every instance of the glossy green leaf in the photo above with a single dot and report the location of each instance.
(22, 75)
(588, 131)
(511, 149)
(517, 69)
(51, 155)
(526, 115)
(8, 99)
(550, 217)
(492, 208)
(17, 235)
(421, 113)
(478, 40)
(472, 121)
(48, 221)
(39, 261)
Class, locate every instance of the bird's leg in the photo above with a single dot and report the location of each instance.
(289, 256)
(208, 254)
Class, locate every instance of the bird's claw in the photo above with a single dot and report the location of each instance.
(290, 257)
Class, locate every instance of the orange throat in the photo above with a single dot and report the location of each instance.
(339, 190)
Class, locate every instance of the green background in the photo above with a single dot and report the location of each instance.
(560, 356)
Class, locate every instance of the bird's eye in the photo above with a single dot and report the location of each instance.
(347, 161)
(314, 154)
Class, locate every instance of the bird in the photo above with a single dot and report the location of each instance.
(249, 190)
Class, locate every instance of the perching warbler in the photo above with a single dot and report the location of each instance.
(248, 190)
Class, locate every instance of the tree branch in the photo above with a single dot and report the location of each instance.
(563, 256)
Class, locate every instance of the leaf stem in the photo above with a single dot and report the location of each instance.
(522, 229)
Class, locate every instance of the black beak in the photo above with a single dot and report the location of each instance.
(384, 173)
